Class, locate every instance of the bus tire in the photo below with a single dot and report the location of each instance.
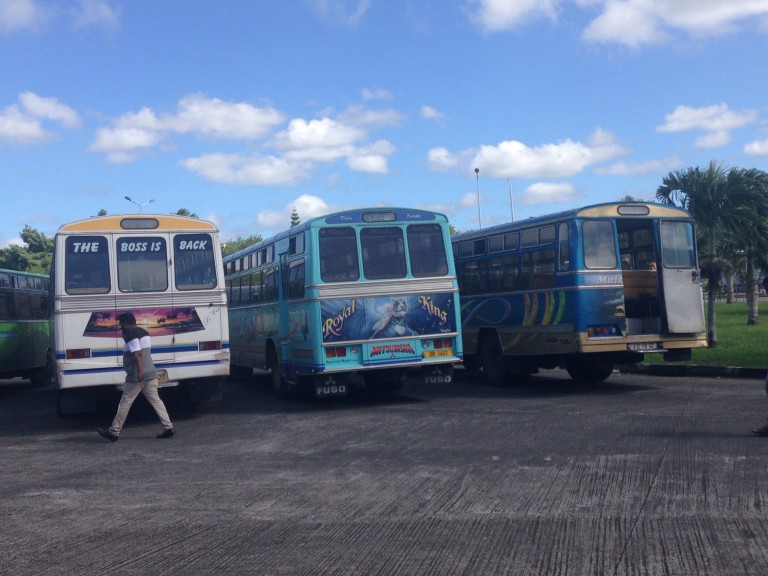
(43, 376)
(589, 372)
(279, 385)
(493, 361)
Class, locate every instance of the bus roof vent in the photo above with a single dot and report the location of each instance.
(634, 210)
(379, 216)
(139, 223)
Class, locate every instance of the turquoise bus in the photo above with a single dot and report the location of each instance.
(585, 290)
(25, 336)
(371, 292)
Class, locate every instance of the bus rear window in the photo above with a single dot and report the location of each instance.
(193, 261)
(383, 253)
(426, 249)
(86, 265)
(141, 264)
(338, 255)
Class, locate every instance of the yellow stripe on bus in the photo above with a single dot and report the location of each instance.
(113, 224)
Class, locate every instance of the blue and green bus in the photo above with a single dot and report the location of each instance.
(371, 292)
(584, 289)
(25, 336)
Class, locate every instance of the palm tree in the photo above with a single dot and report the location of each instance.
(185, 212)
(722, 203)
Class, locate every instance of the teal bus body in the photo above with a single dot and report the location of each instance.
(585, 289)
(25, 336)
(369, 291)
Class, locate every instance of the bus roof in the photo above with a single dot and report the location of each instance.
(116, 223)
(22, 273)
(605, 210)
(347, 217)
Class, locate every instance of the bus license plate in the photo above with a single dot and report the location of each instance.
(322, 390)
(438, 353)
(644, 346)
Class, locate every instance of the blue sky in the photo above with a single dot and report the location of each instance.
(243, 111)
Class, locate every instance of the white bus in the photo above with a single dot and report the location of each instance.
(167, 271)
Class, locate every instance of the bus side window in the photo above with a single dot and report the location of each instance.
(544, 269)
(526, 272)
(6, 306)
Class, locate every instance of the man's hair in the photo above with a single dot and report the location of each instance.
(127, 318)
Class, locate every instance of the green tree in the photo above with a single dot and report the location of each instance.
(34, 256)
(295, 220)
(232, 246)
(720, 201)
(102, 212)
(185, 212)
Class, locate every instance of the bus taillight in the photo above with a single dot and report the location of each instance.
(335, 352)
(209, 346)
(440, 344)
(78, 353)
(603, 331)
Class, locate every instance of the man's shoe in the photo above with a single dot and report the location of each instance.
(107, 434)
(167, 433)
(761, 431)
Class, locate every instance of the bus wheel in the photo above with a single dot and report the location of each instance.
(472, 362)
(493, 361)
(588, 372)
(279, 385)
(43, 376)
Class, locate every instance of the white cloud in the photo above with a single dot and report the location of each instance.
(757, 148)
(49, 109)
(496, 15)
(513, 159)
(348, 12)
(548, 193)
(716, 121)
(247, 170)
(21, 15)
(306, 205)
(135, 133)
(325, 133)
(130, 136)
(633, 23)
(429, 113)
(658, 166)
(361, 116)
(710, 118)
(297, 148)
(377, 94)
(225, 120)
(94, 13)
(24, 124)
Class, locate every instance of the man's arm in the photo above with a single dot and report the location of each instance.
(139, 359)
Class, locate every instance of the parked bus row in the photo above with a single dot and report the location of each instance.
(25, 343)
(374, 292)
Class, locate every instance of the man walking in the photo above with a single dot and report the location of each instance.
(140, 377)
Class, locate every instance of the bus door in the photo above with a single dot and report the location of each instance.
(284, 310)
(680, 278)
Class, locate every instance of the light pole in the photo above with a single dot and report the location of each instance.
(477, 189)
(137, 204)
(511, 202)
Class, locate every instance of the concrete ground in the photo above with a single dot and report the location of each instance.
(640, 475)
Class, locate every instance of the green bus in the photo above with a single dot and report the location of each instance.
(25, 334)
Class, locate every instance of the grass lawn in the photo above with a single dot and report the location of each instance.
(738, 344)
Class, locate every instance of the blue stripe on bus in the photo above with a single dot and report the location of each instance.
(159, 365)
(108, 352)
